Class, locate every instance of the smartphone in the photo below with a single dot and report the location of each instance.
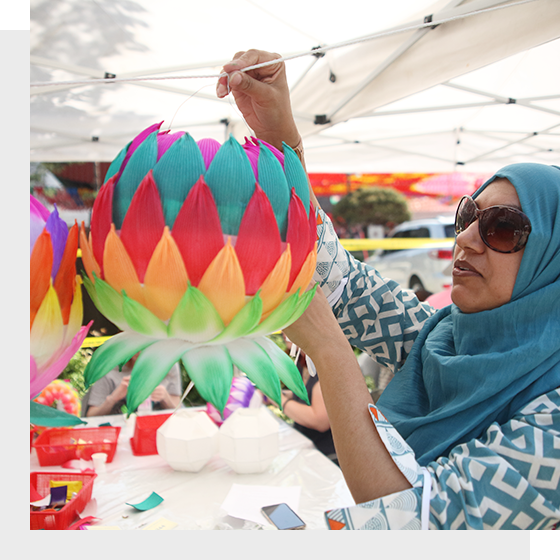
(282, 516)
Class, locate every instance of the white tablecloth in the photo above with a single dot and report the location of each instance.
(193, 500)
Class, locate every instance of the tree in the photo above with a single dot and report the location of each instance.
(372, 206)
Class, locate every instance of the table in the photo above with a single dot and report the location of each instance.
(193, 500)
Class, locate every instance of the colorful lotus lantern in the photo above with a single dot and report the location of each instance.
(55, 300)
(198, 251)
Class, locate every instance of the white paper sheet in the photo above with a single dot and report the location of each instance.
(245, 501)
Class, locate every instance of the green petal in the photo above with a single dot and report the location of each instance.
(175, 173)
(232, 182)
(141, 161)
(41, 415)
(142, 320)
(302, 305)
(296, 176)
(90, 288)
(285, 368)
(250, 358)
(110, 302)
(277, 318)
(151, 367)
(211, 370)
(195, 318)
(245, 320)
(113, 353)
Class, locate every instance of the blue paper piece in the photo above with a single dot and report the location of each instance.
(150, 502)
(58, 496)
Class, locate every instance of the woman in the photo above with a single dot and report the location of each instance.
(466, 435)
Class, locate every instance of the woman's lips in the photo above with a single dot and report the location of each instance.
(462, 269)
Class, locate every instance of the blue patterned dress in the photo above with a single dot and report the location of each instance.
(507, 479)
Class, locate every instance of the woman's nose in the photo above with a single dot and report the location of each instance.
(470, 238)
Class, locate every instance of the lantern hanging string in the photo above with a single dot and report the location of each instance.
(314, 51)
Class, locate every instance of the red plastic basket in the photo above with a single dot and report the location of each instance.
(55, 446)
(143, 442)
(62, 519)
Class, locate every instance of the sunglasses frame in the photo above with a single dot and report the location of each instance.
(526, 224)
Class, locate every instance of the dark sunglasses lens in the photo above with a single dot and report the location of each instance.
(466, 214)
(502, 229)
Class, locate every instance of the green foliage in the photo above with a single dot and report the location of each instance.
(74, 371)
(372, 206)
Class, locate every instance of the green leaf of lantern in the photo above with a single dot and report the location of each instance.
(277, 318)
(243, 322)
(195, 318)
(109, 301)
(301, 306)
(113, 353)
(211, 370)
(250, 358)
(286, 369)
(41, 415)
(232, 181)
(175, 173)
(142, 320)
(151, 367)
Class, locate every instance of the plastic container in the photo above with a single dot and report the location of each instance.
(62, 519)
(143, 442)
(55, 446)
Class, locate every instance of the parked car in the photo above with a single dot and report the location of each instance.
(419, 269)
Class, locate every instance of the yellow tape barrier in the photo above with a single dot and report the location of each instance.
(349, 245)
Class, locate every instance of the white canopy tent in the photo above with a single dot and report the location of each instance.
(437, 90)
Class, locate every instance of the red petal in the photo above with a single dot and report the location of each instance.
(143, 225)
(101, 219)
(197, 231)
(298, 226)
(66, 276)
(258, 244)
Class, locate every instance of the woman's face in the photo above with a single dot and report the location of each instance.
(482, 278)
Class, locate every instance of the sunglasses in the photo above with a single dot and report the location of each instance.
(502, 228)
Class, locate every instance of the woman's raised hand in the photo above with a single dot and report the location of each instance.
(262, 95)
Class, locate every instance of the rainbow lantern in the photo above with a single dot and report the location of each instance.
(196, 252)
(56, 305)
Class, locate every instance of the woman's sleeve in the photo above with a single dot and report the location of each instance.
(508, 479)
(375, 313)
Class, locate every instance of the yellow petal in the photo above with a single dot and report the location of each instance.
(118, 269)
(76, 314)
(47, 330)
(306, 272)
(223, 283)
(166, 278)
(90, 264)
(274, 287)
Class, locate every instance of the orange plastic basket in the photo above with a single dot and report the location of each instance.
(55, 446)
(143, 442)
(62, 519)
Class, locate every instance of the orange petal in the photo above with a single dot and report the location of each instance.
(119, 271)
(223, 283)
(306, 273)
(90, 264)
(166, 278)
(40, 267)
(274, 287)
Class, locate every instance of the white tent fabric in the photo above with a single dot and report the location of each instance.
(471, 94)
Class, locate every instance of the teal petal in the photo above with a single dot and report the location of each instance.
(232, 182)
(296, 176)
(109, 301)
(244, 322)
(175, 173)
(151, 367)
(195, 318)
(113, 353)
(253, 360)
(277, 318)
(116, 163)
(273, 182)
(142, 160)
(211, 370)
(286, 369)
(41, 415)
(142, 320)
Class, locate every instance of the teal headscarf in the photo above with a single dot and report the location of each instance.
(466, 371)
